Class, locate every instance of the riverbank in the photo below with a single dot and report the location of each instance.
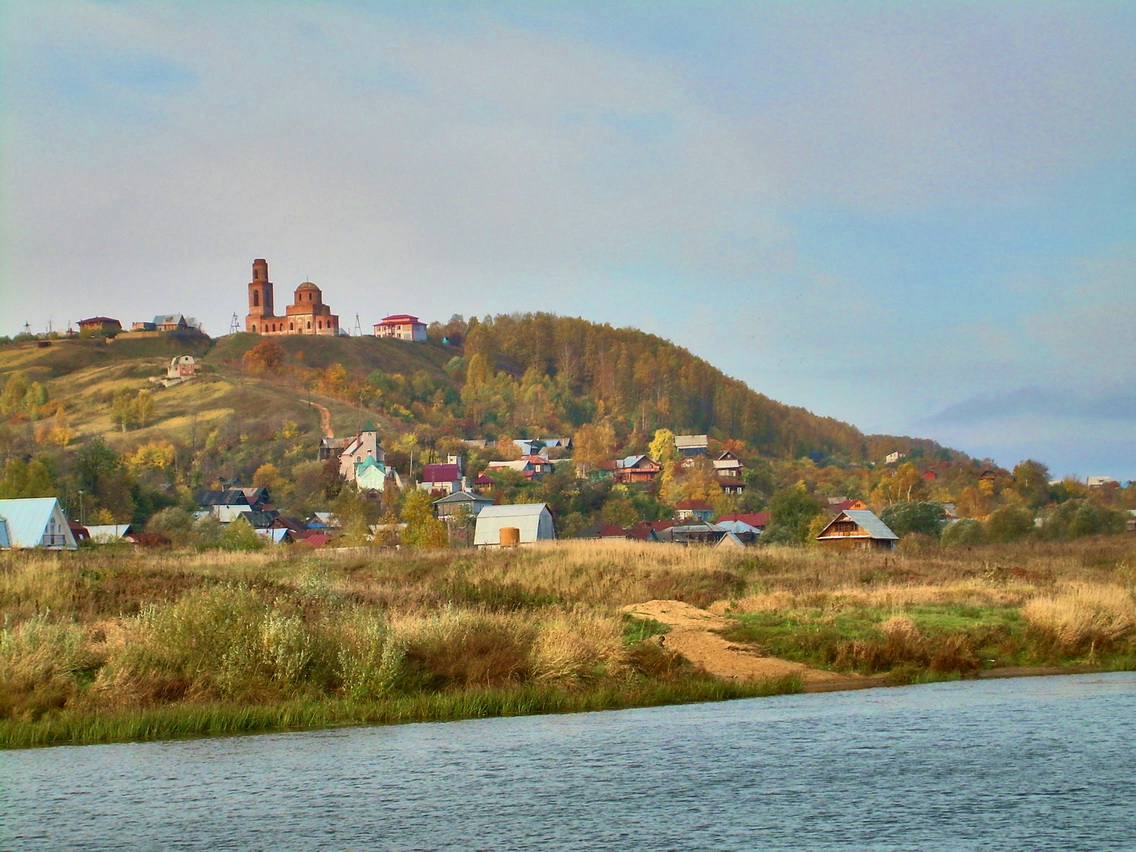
(109, 645)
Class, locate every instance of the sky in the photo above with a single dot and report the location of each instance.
(916, 217)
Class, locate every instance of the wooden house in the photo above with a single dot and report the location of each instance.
(637, 470)
(697, 510)
(856, 529)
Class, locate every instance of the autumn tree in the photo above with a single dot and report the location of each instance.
(1031, 483)
(594, 443)
(266, 358)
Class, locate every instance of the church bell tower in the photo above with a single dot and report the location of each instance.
(260, 298)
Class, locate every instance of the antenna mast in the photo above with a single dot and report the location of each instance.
(234, 326)
(358, 327)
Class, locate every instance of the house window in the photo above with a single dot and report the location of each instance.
(320, 325)
(309, 325)
(291, 326)
(254, 328)
(256, 298)
(844, 527)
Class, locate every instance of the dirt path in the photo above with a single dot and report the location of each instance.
(694, 634)
(325, 419)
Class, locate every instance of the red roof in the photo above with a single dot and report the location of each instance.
(698, 505)
(754, 519)
(398, 319)
(612, 531)
(441, 473)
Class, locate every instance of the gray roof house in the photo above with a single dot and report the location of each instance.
(857, 529)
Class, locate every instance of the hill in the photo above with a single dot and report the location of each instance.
(256, 401)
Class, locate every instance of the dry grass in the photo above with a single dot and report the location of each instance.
(1084, 615)
(114, 630)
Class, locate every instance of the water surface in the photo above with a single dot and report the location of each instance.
(1036, 763)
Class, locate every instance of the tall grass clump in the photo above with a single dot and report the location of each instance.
(42, 666)
(578, 645)
(456, 647)
(371, 659)
(215, 643)
(1084, 616)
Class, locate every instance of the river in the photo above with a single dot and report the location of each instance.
(1032, 763)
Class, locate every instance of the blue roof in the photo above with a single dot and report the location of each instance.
(28, 520)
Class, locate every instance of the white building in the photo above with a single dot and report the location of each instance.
(532, 521)
(401, 327)
(34, 522)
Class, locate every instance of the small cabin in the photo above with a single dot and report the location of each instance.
(857, 530)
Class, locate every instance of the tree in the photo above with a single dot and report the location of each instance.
(914, 517)
(791, 511)
(1031, 483)
(267, 357)
(239, 535)
(904, 485)
(422, 528)
(26, 479)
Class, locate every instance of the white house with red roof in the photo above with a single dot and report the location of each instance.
(401, 327)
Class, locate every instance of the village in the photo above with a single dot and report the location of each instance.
(686, 489)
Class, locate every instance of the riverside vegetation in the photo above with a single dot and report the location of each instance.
(110, 644)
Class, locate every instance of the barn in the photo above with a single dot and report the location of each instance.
(532, 521)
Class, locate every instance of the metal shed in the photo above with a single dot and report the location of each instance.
(532, 520)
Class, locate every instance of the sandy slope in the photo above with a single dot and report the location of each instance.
(694, 635)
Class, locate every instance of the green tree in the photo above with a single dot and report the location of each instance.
(1031, 483)
(422, 528)
(239, 535)
(1009, 524)
(791, 511)
(26, 479)
(914, 517)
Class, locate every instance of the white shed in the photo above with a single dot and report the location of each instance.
(533, 522)
(36, 522)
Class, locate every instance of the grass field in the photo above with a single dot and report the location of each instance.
(119, 644)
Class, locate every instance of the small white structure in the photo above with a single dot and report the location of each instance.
(35, 522)
(892, 458)
(532, 521)
(109, 533)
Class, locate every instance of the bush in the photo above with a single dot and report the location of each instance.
(964, 533)
(1009, 524)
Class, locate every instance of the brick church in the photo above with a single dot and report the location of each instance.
(306, 315)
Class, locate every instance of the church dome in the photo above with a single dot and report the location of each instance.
(307, 285)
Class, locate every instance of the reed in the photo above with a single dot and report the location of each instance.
(180, 721)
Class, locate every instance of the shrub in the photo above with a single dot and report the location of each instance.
(1009, 524)
(963, 533)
